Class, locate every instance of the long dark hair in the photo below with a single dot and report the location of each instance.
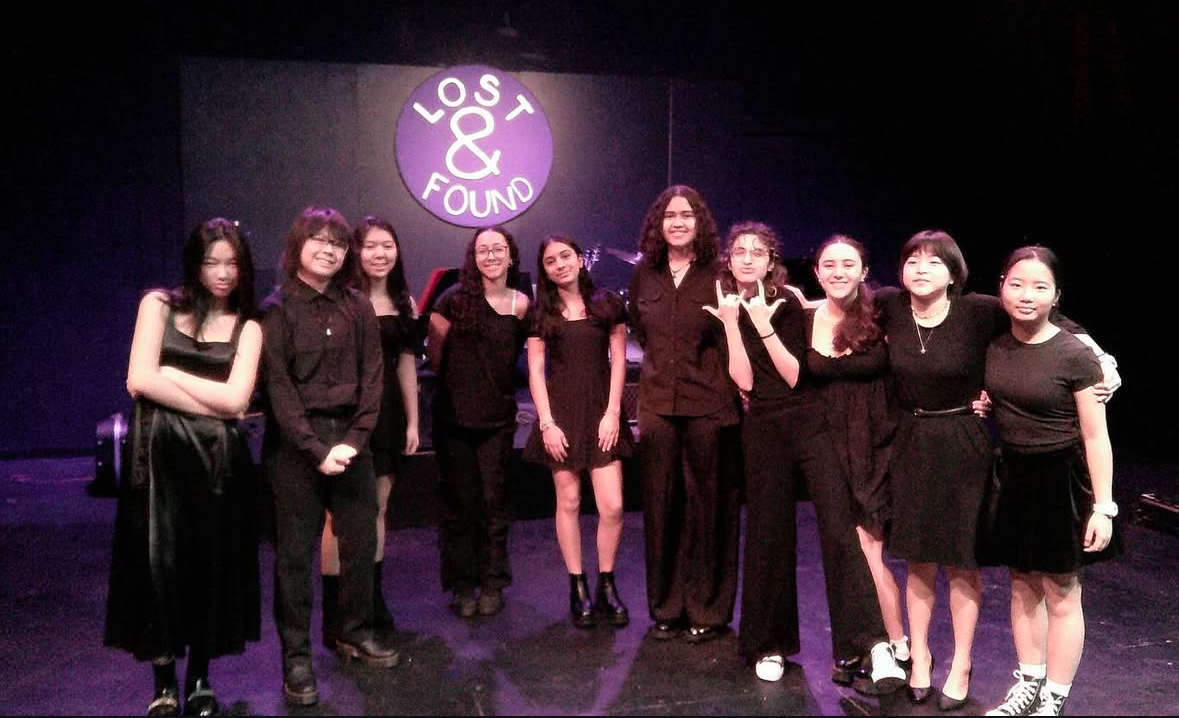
(549, 320)
(859, 329)
(941, 245)
(776, 275)
(192, 295)
(468, 306)
(395, 283)
(651, 242)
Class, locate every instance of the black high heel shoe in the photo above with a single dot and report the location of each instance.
(946, 703)
(201, 701)
(920, 695)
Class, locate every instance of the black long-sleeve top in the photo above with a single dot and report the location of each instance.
(322, 355)
(685, 362)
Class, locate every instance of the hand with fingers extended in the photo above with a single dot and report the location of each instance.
(728, 306)
(760, 312)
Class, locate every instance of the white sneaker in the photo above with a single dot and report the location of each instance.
(770, 668)
(1022, 697)
(887, 676)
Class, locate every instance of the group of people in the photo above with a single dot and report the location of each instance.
(868, 402)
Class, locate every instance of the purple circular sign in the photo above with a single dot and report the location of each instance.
(473, 146)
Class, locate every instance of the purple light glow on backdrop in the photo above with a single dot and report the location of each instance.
(473, 146)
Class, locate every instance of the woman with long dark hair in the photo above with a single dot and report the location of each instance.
(184, 573)
(475, 335)
(376, 266)
(576, 370)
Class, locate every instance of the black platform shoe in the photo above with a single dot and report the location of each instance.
(608, 605)
(201, 701)
(165, 703)
(580, 606)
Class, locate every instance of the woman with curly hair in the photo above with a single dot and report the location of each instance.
(688, 416)
(475, 335)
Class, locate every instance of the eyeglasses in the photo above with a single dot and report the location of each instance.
(328, 240)
(494, 251)
(741, 253)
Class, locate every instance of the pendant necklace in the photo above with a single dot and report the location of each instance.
(921, 340)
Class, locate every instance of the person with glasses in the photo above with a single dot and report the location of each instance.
(184, 569)
(475, 333)
(376, 266)
(688, 417)
(324, 382)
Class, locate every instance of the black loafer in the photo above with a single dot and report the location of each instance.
(299, 687)
(845, 670)
(201, 700)
(665, 630)
(703, 634)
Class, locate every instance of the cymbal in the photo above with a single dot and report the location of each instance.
(628, 257)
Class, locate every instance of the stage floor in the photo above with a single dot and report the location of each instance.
(529, 660)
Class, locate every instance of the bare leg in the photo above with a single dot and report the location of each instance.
(329, 550)
(1029, 618)
(384, 488)
(920, 597)
(1066, 625)
(568, 516)
(888, 593)
(608, 497)
(965, 599)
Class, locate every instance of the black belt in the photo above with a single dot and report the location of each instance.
(956, 411)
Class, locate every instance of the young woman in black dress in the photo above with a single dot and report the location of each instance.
(576, 370)
(1056, 511)
(476, 332)
(184, 573)
(376, 266)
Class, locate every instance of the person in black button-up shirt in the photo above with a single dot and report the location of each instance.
(687, 422)
(324, 381)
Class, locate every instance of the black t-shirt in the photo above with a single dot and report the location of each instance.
(1032, 387)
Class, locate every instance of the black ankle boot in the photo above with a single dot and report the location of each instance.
(331, 618)
(608, 606)
(580, 606)
(382, 619)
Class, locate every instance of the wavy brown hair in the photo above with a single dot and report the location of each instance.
(706, 245)
(859, 329)
(468, 305)
(776, 276)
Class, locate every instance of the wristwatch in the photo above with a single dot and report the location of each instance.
(1109, 508)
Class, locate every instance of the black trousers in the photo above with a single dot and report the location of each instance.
(691, 517)
(473, 517)
(301, 495)
(782, 448)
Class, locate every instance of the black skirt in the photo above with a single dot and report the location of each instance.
(1044, 507)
